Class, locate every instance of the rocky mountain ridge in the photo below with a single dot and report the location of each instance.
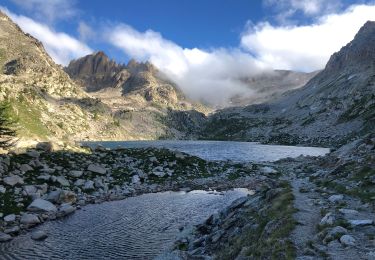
(334, 107)
(49, 105)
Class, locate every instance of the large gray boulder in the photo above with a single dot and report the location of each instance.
(40, 205)
(39, 235)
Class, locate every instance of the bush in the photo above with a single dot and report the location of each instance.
(7, 131)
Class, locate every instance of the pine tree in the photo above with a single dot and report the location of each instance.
(7, 132)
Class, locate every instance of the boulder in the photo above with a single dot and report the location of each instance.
(39, 235)
(96, 169)
(30, 189)
(89, 185)
(347, 240)
(66, 209)
(46, 146)
(336, 198)
(40, 205)
(268, 170)
(29, 219)
(136, 179)
(2, 189)
(25, 168)
(4, 237)
(62, 181)
(10, 218)
(13, 180)
(62, 196)
(76, 174)
(328, 219)
(361, 222)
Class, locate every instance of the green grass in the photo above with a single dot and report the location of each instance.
(29, 119)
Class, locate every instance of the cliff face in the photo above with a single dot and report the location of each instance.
(335, 106)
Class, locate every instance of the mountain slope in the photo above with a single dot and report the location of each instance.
(337, 105)
(49, 105)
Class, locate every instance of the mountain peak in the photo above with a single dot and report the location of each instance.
(359, 53)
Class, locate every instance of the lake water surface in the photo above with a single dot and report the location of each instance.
(222, 150)
(140, 227)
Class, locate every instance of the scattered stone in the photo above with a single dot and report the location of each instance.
(268, 170)
(4, 237)
(76, 174)
(2, 189)
(39, 235)
(29, 219)
(63, 181)
(336, 198)
(136, 179)
(328, 219)
(96, 169)
(26, 168)
(45, 146)
(66, 209)
(347, 240)
(89, 185)
(10, 218)
(33, 153)
(30, 189)
(362, 222)
(13, 180)
(12, 230)
(40, 205)
(348, 211)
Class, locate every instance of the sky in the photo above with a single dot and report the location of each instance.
(205, 46)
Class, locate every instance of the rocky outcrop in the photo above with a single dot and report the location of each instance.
(97, 71)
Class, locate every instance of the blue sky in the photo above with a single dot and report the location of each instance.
(205, 46)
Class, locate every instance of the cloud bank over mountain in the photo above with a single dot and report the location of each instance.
(217, 73)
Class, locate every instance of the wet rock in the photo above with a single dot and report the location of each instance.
(336, 198)
(5, 237)
(39, 235)
(13, 180)
(40, 205)
(347, 240)
(29, 219)
(66, 209)
(96, 169)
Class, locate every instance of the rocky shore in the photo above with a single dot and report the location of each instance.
(319, 208)
(40, 184)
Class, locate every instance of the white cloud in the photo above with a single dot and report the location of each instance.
(307, 47)
(286, 9)
(60, 46)
(48, 10)
(213, 76)
(85, 31)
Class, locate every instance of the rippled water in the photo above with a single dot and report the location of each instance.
(135, 228)
(223, 150)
